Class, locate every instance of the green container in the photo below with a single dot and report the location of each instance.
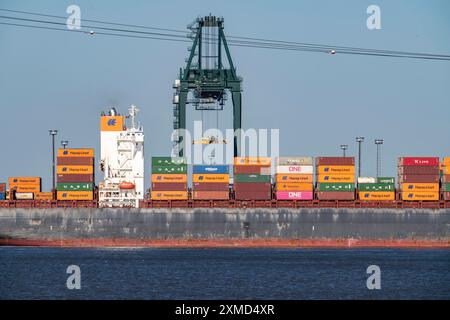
(167, 161)
(446, 187)
(251, 178)
(387, 180)
(376, 187)
(74, 186)
(335, 187)
(175, 169)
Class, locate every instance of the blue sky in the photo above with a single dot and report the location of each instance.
(61, 80)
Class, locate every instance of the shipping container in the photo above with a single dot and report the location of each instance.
(251, 178)
(74, 178)
(294, 178)
(420, 196)
(2, 196)
(252, 186)
(24, 180)
(447, 161)
(169, 186)
(294, 169)
(75, 161)
(447, 195)
(210, 186)
(294, 186)
(211, 195)
(252, 195)
(418, 161)
(376, 187)
(367, 180)
(2, 187)
(335, 161)
(294, 161)
(415, 170)
(169, 195)
(446, 169)
(347, 170)
(75, 195)
(86, 153)
(210, 169)
(337, 187)
(446, 187)
(294, 195)
(170, 169)
(335, 195)
(377, 196)
(43, 196)
(419, 178)
(25, 188)
(167, 161)
(246, 161)
(75, 169)
(387, 180)
(206, 178)
(251, 170)
(336, 178)
(74, 186)
(24, 195)
(419, 187)
(169, 178)
(446, 178)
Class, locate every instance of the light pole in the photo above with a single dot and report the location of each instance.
(359, 140)
(53, 133)
(344, 147)
(64, 143)
(378, 142)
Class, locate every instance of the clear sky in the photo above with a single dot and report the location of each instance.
(62, 80)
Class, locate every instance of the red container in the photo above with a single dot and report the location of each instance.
(251, 170)
(418, 178)
(2, 187)
(210, 186)
(414, 170)
(169, 186)
(252, 195)
(335, 161)
(335, 195)
(75, 161)
(252, 186)
(418, 161)
(75, 178)
(446, 178)
(210, 195)
(446, 195)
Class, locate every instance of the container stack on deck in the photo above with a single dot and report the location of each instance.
(252, 178)
(210, 182)
(2, 191)
(169, 179)
(418, 178)
(446, 178)
(335, 178)
(294, 178)
(24, 188)
(75, 174)
(376, 189)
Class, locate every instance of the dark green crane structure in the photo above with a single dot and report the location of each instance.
(206, 77)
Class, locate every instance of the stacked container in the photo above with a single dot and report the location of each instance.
(24, 187)
(335, 178)
(252, 180)
(169, 179)
(376, 189)
(75, 174)
(418, 178)
(446, 178)
(294, 178)
(210, 182)
(2, 191)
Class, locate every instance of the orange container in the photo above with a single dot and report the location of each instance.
(294, 178)
(446, 169)
(251, 161)
(83, 152)
(24, 188)
(75, 195)
(43, 196)
(169, 178)
(169, 195)
(324, 178)
(344, 170)
(294, 186)
(420, 187)
(377, 196)
(111, 123)
(75, 169)
(447, 161)
(211, 178)
(24, 180)
(211, 195)
(420, 196)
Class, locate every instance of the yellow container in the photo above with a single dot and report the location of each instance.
(377, 195)
(333, 170)
(420, 187)
(74, 153)
(324, 178)
(294, 186)
(252, 161)
(169, 178)
(75, 169)
(169, 195)
(420, 196)
(75, 195)
(293, 178)
(111, 123)
(24, 180)
(211, 178)
(24, 188)
(43, 196)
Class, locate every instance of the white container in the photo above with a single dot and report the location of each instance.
(294, 169)
(24, 195)
(294, 161)
(367, 180)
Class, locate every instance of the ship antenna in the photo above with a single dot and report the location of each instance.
(133, 112)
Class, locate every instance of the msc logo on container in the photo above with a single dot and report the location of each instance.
(111, 122)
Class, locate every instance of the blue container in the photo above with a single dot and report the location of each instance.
(2, 196)
(214, 169)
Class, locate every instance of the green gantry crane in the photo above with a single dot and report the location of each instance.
(206, 77)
